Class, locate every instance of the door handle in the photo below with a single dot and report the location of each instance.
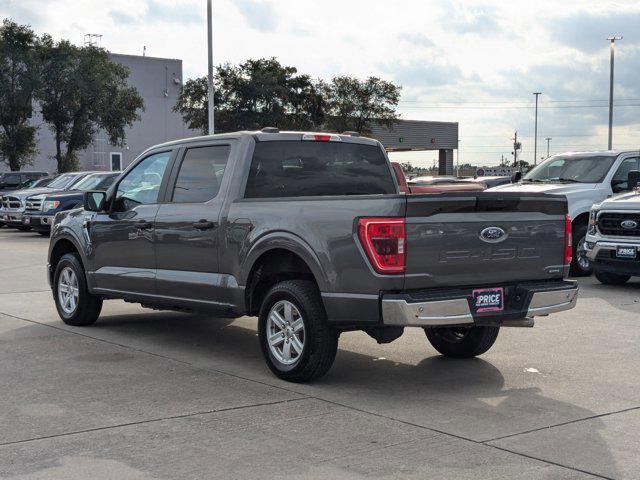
(144, 225)
(204, 224)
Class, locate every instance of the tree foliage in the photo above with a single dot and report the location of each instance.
(19, 80)
(352, 104)
(252, 95)
(263, 92)
(82, 92)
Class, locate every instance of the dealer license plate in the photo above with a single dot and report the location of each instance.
(626, 252)
(488, 299)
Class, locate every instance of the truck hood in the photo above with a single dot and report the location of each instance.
(552, 188)
(624, 201)
(62, 195)
(23, 194)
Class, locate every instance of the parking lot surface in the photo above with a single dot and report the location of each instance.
(146, 394)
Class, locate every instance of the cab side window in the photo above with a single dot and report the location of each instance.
(619, 180)
(201, 174)
(141, 185)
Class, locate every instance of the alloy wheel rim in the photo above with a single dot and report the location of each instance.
(68, 291)
(285, 332)
(581, 255)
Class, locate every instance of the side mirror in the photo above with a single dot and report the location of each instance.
(516, 177)
(633, 179)
(94, 201)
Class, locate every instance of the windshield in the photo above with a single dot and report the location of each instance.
(62, 181)
(90, 182)
(571, 168)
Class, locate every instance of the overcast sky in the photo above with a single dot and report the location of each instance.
(474, 62)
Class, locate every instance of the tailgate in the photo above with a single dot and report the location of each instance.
(487, 238)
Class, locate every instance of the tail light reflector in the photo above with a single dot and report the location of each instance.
(384, 240)
(568, 242)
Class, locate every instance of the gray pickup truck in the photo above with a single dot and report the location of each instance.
(309, 232)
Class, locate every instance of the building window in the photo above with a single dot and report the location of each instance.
(116, 161)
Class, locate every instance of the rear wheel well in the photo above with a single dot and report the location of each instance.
(273, 267)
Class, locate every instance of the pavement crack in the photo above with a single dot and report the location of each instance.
(577, 420)
(152, 420)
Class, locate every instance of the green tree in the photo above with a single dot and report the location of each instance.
(253, 95)
(19, 80)
(84, 91)
(352, 104)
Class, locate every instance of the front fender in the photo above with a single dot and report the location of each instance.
(284, 241)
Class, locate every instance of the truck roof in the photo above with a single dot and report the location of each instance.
(264, 136)
(602, 153)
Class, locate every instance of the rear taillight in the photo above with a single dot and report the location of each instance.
(385, 242)
(568, 242)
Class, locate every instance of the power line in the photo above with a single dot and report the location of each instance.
(457, 107)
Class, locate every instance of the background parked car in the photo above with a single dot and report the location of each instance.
(41, 209)
(447, 186)
(14, 203)
(493, 181)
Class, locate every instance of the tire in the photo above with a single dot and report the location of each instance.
(464, 342)
(86, 307)
(578, 239)
(608, 278)
(24, 229)
(317, 341)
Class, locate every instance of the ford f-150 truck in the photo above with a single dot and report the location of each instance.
(310, 233)
(613, 237)
(585, 178)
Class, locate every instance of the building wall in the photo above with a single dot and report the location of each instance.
(154, 79)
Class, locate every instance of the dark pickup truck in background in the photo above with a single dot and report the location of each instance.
(41, 208)
(310, 233)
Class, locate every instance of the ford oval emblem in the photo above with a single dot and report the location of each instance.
(493, 235)
(629, 224)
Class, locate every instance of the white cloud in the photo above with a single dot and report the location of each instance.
(491, 52)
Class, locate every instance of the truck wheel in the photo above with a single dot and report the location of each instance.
(612, 278)
(296, 341)
(75, 305)
(462, 342)
(580, 265)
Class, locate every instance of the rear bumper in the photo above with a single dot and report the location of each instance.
(453, 307)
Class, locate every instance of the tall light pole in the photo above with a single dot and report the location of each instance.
(535, 132)
(548, 139)
(210, 104)
(611, 39)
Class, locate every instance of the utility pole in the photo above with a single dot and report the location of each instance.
(548, 139)
(210, 104)
(516, 146)
(611, 39)
(535, 134)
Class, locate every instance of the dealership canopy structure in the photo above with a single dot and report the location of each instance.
(416, 135)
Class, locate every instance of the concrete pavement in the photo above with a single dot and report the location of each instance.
(146, 394)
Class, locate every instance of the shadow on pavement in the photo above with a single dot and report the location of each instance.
(467, 398)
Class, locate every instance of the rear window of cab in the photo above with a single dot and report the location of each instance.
(301, 168)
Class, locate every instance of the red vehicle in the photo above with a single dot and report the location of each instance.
(442, 188)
